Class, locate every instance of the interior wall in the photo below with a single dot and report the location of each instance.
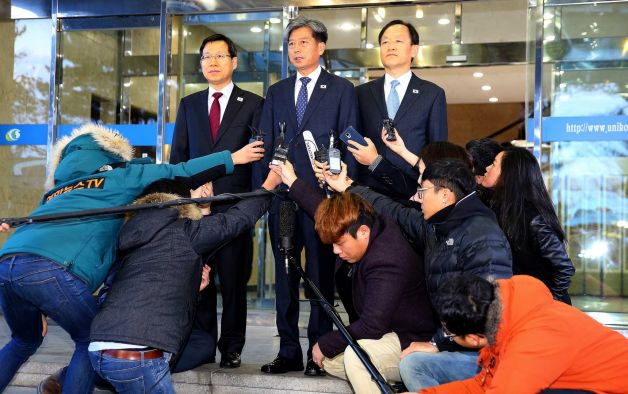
(471, 121)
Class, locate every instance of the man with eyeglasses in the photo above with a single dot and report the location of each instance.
(530, 342)
(457, 234)
(219, 118)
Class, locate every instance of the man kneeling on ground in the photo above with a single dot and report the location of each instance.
(531, 342)
(387, 278)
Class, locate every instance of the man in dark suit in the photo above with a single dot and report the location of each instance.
(317, 101)
(417, 107)
(209, 121)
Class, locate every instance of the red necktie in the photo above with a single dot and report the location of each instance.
(214, 115)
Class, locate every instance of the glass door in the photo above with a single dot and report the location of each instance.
(108, 73)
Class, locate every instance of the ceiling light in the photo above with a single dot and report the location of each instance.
(274, 20)
(369, 45)
(486, 88)
(419, 13)
(493, 99)
(256, 29)
(127, 83)
(381, 11)
(478, 74)
(346, 26)
(443, 21)
(584, 33)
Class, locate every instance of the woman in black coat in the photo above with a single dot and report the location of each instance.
(525, 212)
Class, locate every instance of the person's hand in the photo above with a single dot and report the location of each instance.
(205, 277)
(273, 179)
(44, 325)
(365, 155)
(318, 356)
(339, 182)
(248, 153)
(319, 171)
(4, 227)
(397, 146)
(206, 190)
(424, 347)
(286, 172)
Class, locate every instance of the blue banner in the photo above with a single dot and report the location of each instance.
(582, 128)
(37, 134)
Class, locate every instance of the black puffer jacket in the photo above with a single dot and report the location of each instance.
(467, 240)
(544, 256)
(152, 300)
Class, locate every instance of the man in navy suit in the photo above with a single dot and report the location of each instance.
(317, 101)
(213, 120)
(417, 107)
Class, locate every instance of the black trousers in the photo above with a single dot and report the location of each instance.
(319, 267)
(200, 349)
(232, 264)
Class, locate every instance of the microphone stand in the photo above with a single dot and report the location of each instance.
(383, 385)
(13, 222)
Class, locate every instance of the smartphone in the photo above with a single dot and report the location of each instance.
(334, 161)
(352, 134)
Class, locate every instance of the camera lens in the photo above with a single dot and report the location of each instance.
(348, 135)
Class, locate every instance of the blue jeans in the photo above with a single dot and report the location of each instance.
(420, 370)
(142, 376)
(29, 286)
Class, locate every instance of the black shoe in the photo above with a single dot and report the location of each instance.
(52, 384)
(311, 369)
(230, 360)
(282, 365)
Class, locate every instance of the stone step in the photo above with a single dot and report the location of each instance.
(205, 380)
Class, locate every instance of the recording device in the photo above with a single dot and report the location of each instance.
(333, 155)
(310, 145)
(280, 154)
(256, 135)
(287, 218)
(389, 128)
(352, 134)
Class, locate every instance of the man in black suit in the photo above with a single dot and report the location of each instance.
(315, 101)
(417, 107)
(209, 121)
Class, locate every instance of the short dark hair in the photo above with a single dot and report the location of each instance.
(452, 174)
(463, 302)
(482, 152)
(171, 186)
(233, 52)
(443, 150)
(319, 31)
(341, 214)
(414, 35)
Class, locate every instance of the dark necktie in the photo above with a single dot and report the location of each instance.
(302, 99)
(214, 115)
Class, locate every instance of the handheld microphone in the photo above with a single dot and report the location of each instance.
(280, 155)
(287, 219)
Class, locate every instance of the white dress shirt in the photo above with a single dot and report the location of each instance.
(310, 86)
(223, 100)
(404, 81)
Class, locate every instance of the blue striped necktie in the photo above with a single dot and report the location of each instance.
(302, 99)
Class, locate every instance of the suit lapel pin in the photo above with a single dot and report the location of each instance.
(415, 91)
(240, 99)
(323, 86)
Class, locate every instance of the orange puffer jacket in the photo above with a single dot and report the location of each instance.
(542, 343)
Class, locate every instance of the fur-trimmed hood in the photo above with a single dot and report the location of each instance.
(85, 151)
(187, 211)
(142, 226)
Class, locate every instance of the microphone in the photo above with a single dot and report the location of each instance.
(287, 218)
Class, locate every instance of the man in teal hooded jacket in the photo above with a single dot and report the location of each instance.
(53, 268)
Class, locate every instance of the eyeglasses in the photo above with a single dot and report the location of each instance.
(447, 333)
(421, 190)
(219, 57)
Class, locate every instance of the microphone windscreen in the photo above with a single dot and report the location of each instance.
(287, 217)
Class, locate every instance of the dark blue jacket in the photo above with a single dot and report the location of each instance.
(332, 106)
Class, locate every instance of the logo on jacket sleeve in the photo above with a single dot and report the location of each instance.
(450, 242)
